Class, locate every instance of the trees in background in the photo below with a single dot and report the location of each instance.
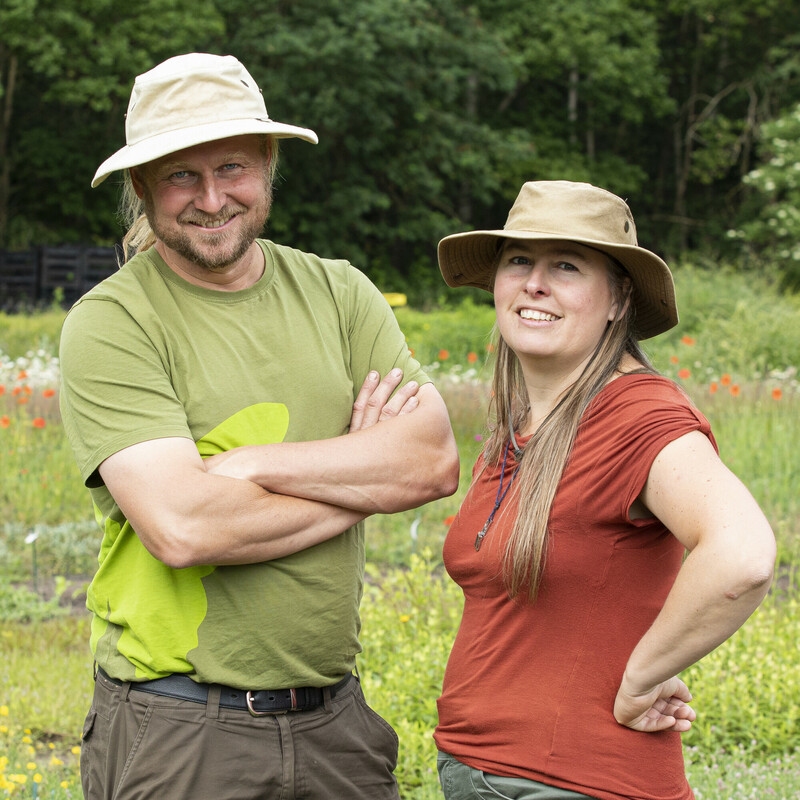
(431, 113)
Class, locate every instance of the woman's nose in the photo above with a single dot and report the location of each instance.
(536, 282)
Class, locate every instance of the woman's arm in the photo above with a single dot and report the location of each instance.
(726, 575)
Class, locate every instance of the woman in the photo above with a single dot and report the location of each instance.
(580, 611)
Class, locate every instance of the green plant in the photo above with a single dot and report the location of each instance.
(22, 333)
(774, 230)
(20, 604)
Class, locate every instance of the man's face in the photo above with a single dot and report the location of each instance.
(207, 203)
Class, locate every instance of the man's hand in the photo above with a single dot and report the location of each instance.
(661, 708)
(376, 403)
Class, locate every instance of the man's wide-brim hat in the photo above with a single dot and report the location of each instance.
(574, 212)
(188, 100)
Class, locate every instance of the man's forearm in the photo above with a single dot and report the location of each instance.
(185, 516)
(392, 466)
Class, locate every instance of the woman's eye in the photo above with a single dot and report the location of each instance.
(566, 266)
(519, 260)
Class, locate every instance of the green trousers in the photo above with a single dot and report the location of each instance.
(461, 782)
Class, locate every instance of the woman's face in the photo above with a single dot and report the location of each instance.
(553, 301)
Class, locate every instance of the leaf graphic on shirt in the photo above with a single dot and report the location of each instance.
(262, 423)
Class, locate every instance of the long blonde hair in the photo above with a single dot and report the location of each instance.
(545, 456)
(139, 236)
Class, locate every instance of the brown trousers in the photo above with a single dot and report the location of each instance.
(139, 746)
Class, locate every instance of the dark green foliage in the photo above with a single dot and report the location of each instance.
(431, 113)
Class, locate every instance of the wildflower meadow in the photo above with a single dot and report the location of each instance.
(736, 352)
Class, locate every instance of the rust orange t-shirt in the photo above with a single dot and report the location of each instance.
(529, 688)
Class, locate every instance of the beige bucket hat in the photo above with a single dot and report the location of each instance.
(189, 100)
(575, 212)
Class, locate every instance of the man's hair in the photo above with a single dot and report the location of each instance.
(140, 236)
(546, 454)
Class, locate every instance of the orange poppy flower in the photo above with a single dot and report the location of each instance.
(27, 389)
(490, 348)
(16, 390)
(22, 375)
(2, 389)
(713, 387)
(38, 422)
(23, 399)
(449, 520)
(48, 392)
(735, 390)
(4, 421)
(687, 340)
(684, 373)
(725, 380)
(777, 394)
(673, 359)
(444, 355)
(472, 357)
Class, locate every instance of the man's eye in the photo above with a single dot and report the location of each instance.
(180, 174)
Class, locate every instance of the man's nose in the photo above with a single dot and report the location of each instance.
(210, 197)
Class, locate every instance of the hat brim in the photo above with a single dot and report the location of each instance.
(170, 142)
(469, 259)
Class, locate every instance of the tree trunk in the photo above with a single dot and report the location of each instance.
(5, 170)
(465, 209)
(572, 105)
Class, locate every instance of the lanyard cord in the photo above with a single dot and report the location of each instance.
(501, 494)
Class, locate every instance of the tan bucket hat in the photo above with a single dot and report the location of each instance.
(575, 212)
(189, 100)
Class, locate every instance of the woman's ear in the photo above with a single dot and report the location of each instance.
(625, 302)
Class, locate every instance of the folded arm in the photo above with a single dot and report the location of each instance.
(725, 576)
(406, 460)
(184, 516)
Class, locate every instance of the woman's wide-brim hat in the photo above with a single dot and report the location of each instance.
(574, 212)
(189, 100)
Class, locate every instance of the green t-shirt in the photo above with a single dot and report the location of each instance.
(147, 355)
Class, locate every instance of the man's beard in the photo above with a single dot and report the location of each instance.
(219, 250)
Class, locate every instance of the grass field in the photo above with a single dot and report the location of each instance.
(736, 351)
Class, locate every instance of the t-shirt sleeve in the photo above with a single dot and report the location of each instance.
(376, 341)
(626, 434)
(115, 386)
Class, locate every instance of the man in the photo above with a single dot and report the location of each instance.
(208, 392)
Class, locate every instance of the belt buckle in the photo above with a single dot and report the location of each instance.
(255, 713)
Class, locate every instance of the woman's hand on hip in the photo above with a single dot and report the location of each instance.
(663, 707)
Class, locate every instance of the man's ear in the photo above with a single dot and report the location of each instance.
(136, 180)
